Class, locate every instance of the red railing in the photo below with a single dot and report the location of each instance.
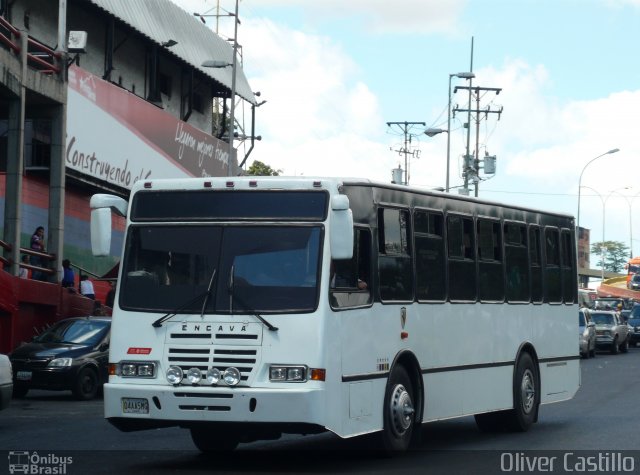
(13, 32)
(39, 56)
(43, 255)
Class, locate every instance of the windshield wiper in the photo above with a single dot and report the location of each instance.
(244, 304)
(206, 293)
(206, 300)
(256, 314)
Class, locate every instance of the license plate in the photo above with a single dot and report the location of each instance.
(23, 375)
(135, 405)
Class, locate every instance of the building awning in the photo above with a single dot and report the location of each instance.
(163, 20)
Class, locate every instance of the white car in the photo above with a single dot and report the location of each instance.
(6, 381)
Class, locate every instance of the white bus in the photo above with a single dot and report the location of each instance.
(251, 307)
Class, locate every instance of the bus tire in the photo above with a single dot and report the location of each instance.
(207, 440)
(526, 395)
(399, 412)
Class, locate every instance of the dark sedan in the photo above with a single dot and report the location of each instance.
(72, 354)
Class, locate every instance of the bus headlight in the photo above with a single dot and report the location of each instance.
(136, 369)
(194, 375)
(213, 376)
(174, 375)
(287, 373)
(231, 376)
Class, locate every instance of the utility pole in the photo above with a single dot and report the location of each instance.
(405, 127)
(472, 168)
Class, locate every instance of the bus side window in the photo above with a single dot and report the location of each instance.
(394, 255)
(429, 254)
(553, 282)
(535, 259)
(517, 266)
(350, 280)
(461, 258)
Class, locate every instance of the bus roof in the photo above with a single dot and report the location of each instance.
(308, 182)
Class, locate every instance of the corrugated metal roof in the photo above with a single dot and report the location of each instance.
(162, 20)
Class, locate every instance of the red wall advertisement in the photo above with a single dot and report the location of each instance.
(115, 136)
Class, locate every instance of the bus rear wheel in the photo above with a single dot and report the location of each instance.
(207, 440)
(526, 396)
(399, 412)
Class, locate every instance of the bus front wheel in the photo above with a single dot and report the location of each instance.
(399, 411)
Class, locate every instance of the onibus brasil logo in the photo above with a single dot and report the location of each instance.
(23, 461)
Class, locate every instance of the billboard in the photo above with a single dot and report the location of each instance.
(115, 136)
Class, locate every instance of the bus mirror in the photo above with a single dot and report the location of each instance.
(339, 202)
(101, 231)
(341, 228)
(115, 203)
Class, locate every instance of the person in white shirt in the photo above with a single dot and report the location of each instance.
(24, 272)
(86, 287)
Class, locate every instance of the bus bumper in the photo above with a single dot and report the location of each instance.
(137, 407)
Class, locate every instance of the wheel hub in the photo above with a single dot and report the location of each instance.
(528, 391)
(401, 410)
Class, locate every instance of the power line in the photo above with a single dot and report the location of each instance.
(404, 128)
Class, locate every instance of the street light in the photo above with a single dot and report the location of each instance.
(431, 131)
(464, 75)
(580, 181)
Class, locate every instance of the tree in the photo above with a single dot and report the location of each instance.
(616, 254)
(258, 168)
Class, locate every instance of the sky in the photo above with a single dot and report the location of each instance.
(335, 72)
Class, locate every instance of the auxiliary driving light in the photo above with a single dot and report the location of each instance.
(231, 376)
(174, 374)
(213, 376)
(194, 375)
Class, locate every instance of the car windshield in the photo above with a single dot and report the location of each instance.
(250, 268)
(79, 332)
(602, 318)
(635, 312)
(636, 278)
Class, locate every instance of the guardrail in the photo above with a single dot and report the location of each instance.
(24, 250)
(39, 55)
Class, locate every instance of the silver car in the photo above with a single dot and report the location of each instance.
(586, 333)
(611, 331)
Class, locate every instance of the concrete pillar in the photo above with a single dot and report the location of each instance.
(15, 166)
(55, 229)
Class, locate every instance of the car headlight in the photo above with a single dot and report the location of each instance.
(60, 362)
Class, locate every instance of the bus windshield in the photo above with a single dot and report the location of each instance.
(257, 268)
